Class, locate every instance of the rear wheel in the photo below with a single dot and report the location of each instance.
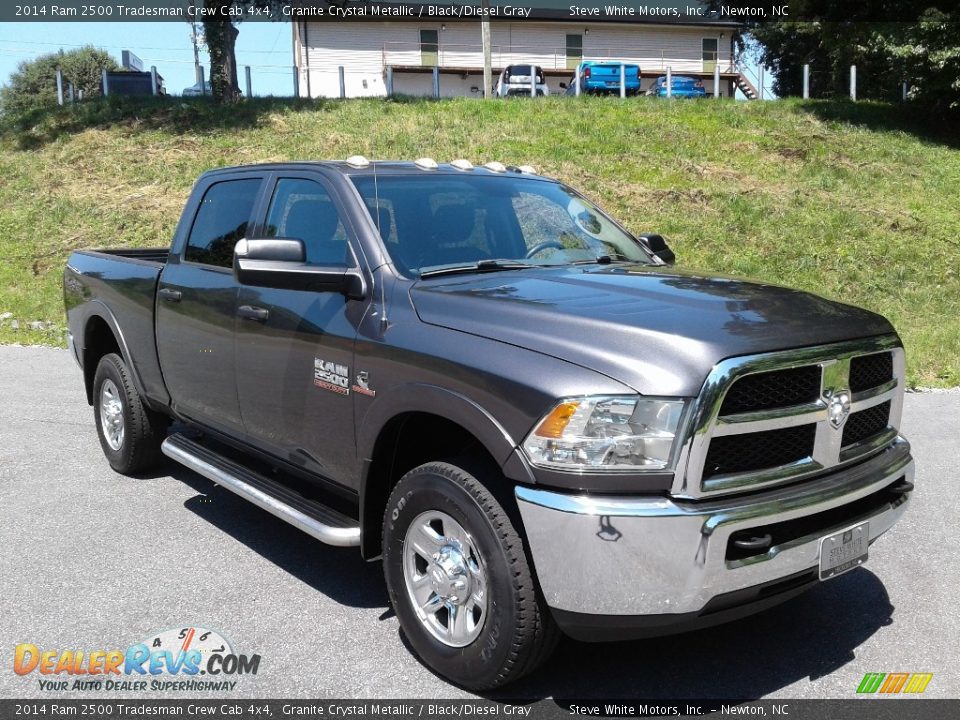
(130, 433)
(459, 580)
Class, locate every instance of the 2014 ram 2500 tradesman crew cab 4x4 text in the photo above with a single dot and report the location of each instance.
(477, 375)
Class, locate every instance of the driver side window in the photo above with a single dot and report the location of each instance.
(302, 209)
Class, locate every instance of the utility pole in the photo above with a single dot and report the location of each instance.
(196, 48)
(485, 38)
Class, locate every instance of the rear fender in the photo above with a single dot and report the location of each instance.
(97, 309)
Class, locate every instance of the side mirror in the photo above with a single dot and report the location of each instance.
(658, 247)
(277, 249)
(279, 263)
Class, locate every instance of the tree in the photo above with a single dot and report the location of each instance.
(34, 83)
(221, 40)
(890, 42)
(927, 55)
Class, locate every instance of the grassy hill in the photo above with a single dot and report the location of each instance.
(855, 202)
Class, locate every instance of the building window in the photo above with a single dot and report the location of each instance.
(711, 48)
(429, 48)
(574, 51)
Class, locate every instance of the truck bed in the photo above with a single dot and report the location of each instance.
(157, 256)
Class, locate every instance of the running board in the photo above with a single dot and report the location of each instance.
(317, 520)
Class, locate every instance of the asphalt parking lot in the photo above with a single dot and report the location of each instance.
(93, 560)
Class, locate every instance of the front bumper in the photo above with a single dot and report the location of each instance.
(604, 561)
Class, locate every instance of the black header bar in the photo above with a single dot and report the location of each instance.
(731, 13)
(108, 708)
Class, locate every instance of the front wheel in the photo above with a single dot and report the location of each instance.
(459, 580)
(130, 433)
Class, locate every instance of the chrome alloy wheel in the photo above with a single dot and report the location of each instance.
(445, 578)
(111, 414)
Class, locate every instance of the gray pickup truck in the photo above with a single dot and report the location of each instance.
(478, 376)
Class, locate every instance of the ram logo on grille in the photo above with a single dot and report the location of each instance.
(839, 408)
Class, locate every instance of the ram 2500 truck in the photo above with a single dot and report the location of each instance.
(478, 376)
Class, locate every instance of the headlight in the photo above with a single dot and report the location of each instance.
(606, 433)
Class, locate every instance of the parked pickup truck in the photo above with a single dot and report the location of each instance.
(478, 376)
(597, 77)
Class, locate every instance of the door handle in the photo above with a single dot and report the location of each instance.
(253, 313)
(170, 295)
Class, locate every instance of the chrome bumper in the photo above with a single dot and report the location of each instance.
(604, 555)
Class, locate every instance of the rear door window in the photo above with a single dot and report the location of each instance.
(225, 213)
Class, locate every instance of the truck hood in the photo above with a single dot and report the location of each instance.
(658, 331)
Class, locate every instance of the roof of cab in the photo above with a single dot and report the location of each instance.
(381, 167)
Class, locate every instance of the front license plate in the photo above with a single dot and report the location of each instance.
(844, 550)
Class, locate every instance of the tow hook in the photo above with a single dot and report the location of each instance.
(754, 542)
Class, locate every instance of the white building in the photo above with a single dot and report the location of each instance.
(376, 54)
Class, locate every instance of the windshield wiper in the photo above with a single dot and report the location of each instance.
(603, 260)
(481, 266)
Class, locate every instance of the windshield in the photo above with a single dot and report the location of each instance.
(436, 221)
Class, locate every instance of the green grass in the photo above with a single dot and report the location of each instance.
(860, 203)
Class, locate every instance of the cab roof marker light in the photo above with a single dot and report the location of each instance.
(497, 167)
(527, 169)
(426, 163)
(358, 161)
(462, 164)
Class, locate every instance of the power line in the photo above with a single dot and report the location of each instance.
(118, 47)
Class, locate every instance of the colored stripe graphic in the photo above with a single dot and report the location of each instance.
(870, 682)
(894, 683)
(918, 682)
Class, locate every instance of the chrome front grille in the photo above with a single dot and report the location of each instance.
(769, 419)
(869, 371)
(777, 388)
(866, 424)
(759, 450)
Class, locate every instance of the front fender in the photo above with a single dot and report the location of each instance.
(435, 400)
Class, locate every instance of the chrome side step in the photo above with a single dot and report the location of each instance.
(317, 520)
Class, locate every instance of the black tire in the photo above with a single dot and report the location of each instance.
(518, 632)
(143, 429)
